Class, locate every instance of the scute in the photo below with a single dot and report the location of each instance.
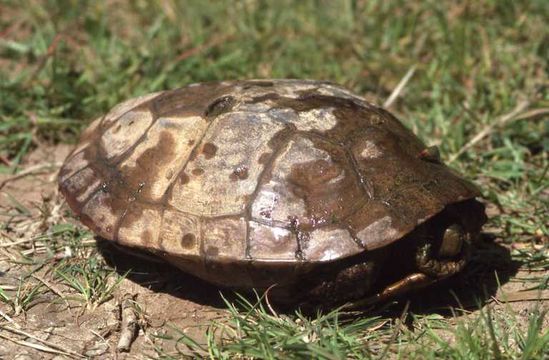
(101, 213)
(225, 238)
(326, 244)
(272, 243)
(256, 172)
(125, 133)
(224, 172)
(180, 234)
(157, 159)
(140, 226)
(311, 184)
(119, 110)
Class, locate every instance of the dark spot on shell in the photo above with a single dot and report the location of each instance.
(191, 142)
(219, 106)
(264, 158)
(209, 150)
(308, 92)
(169, 175)
(188, 241)
(266, 97)
(281, 136)
(184, 178)
(116, 128)
(212, 251)
(266, 213)
(240, 173)
(198, 171)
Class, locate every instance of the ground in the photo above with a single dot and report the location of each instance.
(468, 76)
(47, 314)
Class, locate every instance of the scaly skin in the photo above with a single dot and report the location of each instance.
(428, 264)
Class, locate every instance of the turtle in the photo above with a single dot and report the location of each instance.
(299, 187)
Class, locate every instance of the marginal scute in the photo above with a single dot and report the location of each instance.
(80, 185)
(175, 232)
(74, 163)
(271, 243)
(227, 236)
(327, 244)
(379, 233)
(125, 132)
(225, 135)
(102, 212)
(140, 226)
(88, 136)
(156, 160)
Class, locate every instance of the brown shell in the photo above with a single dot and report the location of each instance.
(277, 171)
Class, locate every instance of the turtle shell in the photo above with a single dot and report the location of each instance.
(263, 172)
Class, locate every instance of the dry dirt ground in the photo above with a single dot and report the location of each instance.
(49, 320)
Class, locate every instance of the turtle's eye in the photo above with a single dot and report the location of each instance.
(453, 239)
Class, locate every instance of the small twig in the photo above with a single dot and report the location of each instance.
(534, 113)
(34, 346)
(378, 326)
(50, 347)
(515, 114)
(32, 170)
(398, 89)
(129, 325)
(18, 242)
(9, 319)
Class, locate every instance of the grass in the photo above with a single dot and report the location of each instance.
(254, 330)
(478, 91)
